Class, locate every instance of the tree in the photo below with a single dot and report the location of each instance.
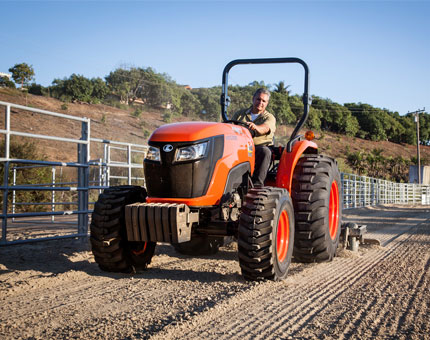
(209, 99)
(190, 104)
(100, 89)
(5, 82)
(127, 83)
(22, 73)
(74, 88)
(37, 89)
(281, 88)
(280, 107)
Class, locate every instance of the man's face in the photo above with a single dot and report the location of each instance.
(259, 103)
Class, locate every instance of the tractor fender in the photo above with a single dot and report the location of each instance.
(288, 161)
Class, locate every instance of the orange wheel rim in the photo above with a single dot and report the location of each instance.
(283, 236)
(141, 251)
(333, 218)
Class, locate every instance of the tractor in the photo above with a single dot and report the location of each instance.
(199, 193)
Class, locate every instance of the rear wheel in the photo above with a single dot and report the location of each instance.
(266, 234)
(110, 247)
(318, 208)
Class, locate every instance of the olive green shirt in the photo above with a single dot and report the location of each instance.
(263, 118)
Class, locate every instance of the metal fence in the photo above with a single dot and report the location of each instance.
(91, 177)
(119, 163)
(362, 191)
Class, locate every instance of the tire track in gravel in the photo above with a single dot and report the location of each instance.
(411, 311)
(26, 302)
(300, 312)
(181, 297)
(144, 289)
(375, 321)
(369, 309)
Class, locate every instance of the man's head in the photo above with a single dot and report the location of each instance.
(260, 100)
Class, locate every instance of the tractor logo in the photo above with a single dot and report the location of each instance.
(167, 148)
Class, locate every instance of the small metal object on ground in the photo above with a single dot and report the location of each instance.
(353, 235)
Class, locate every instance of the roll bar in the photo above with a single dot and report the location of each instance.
(225, 100)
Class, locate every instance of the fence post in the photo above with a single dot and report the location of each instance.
(53, 194)
(108, 166)
(129, 163)
(6, 173)
(5, 198)
(83, 178)
(14, 195)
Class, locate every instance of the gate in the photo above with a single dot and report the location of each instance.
(61, 223)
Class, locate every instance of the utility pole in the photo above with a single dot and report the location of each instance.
(417, 121)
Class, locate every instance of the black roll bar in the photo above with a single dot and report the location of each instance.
(225, 100)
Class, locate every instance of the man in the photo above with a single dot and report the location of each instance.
(263, 124)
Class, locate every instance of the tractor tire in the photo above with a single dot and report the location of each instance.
(266, 234)
(200, 245)
(111, 250)
(317, 198)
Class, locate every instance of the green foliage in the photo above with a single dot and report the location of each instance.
(27, 176)
(167, 117)
(5, 82)
(280, 107)
(190, 104)
(125, 83)
(375, 164)
(75, 88)
(281, 88)
(64, 106)
(209, 100)
(103, 119)
(78, 88)
(37, 90)
(343, 166)
(22, 73)
(335, 117)
(100, 89)
(137, 112)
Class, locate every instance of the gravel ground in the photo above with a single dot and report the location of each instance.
(54, 290)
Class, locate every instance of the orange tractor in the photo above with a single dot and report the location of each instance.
(199, 192)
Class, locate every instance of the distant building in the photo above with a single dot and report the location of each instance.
(425, 174)
(5, 75)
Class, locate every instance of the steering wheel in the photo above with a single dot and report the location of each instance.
(238, 122)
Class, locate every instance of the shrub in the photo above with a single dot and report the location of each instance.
(167, 117)
(137, 113)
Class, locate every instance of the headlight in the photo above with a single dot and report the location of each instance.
(191, 153)
(153, 154)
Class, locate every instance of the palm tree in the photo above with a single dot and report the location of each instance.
(281, 88)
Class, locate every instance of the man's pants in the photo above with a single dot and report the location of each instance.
(263, 156)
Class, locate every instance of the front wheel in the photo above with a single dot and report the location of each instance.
(111, 249)
(266, 234)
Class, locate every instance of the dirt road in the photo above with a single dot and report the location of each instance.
(54, 290)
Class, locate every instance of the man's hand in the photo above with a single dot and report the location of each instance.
(262, 129)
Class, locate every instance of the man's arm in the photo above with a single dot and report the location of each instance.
(261, 130)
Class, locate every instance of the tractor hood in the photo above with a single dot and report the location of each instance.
(192, 131)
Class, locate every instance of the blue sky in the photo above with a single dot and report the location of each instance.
(374, 52)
